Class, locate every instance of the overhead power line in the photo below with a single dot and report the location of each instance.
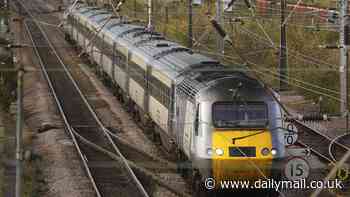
(277, 76)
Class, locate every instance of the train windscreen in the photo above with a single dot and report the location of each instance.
(240, 115)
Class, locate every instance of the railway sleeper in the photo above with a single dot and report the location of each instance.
(46, 126)
(184, 166)
(69, 39)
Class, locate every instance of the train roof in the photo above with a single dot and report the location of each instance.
(172, 59)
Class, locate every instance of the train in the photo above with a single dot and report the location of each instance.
(320, 14)
(218, 120)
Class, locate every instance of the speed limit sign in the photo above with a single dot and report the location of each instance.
(296, 168)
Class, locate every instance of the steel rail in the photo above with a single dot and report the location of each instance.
(336, 140)
(66, 124)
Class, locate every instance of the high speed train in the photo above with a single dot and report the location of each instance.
(218, 120)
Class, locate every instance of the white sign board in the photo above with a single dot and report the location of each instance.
(292, 151)
(291, 134)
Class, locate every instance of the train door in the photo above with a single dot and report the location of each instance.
(196, 127)
(114, 62)
(100, 45)
(180, 111)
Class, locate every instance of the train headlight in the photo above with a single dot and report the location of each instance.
(273, 151)
(210, 151)
(265, 151)
(219, 152)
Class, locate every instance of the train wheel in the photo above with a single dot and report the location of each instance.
(126, 104)
(100, 74)
(156, 138)
(198, 188)
(144, 120)
(188, 171)
(120, 95)
(97, 70)
(115, 91)
(105, 80)
(183, 166)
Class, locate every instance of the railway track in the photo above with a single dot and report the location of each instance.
(321, 145)
(107, 176)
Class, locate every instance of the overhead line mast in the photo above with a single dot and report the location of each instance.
(149, 7)
(219, 19)
(283, 67)
(19, 118)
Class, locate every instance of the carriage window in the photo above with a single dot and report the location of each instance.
(159, 91)
(240, 114)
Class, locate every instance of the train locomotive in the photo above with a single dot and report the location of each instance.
(219, 121)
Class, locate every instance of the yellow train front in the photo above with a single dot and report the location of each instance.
(238, 135)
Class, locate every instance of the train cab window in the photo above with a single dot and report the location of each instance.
(240, 115)
(137, 73)
(120, 60)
